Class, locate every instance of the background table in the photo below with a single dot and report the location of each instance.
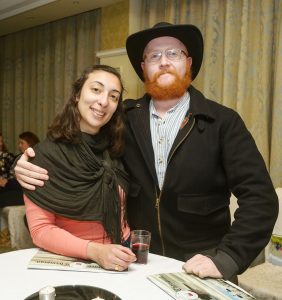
(17, 282)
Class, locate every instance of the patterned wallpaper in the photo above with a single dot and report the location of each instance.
(114, 25)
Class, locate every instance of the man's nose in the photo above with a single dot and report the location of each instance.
(164, 61)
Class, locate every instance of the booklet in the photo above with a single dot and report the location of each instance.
(51, 261)
(183, 286)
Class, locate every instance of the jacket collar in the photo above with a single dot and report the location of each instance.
(137, 114)
(199, 104)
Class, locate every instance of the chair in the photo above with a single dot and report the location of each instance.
(264, 281)
(12, 217)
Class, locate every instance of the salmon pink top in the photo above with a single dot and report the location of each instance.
(65, 236)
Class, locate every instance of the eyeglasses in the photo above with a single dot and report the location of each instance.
(171, 54)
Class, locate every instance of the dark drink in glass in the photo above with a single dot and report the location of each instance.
(141, 251)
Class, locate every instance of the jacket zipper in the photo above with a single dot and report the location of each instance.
(157, 206)
(158, 197)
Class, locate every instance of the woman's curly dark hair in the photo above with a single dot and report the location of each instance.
(66, 125)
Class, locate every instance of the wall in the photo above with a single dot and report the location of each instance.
(114, 25)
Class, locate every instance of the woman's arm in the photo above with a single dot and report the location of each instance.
(47, 235)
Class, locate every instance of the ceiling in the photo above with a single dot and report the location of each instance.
(17, 15)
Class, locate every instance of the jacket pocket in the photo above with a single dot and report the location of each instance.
(202, 204)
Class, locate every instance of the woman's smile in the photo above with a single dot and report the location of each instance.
(97, 112)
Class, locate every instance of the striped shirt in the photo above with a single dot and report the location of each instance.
(163, 132)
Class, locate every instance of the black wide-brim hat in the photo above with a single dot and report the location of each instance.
(188, 34)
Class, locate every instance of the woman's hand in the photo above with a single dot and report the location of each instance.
(110, 256)
(29, 175)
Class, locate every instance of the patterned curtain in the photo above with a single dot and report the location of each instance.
(38, 66)
(242, 65)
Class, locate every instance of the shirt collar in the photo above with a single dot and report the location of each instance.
(178, 106)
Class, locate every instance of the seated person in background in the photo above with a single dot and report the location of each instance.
(27, 139)
(10, 191)
(6, 161)
(80, 211)
(7, 175)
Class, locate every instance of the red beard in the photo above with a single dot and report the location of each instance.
(176, 89)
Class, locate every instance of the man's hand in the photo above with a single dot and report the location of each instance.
(29, 175)
(202, 266)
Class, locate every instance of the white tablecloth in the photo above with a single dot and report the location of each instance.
(17, 282)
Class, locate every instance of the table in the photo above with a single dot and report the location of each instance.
(17, 282)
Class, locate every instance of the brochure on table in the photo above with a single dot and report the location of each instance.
(182, 286)
(50, 261)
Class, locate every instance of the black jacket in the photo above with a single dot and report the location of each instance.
(213, 154)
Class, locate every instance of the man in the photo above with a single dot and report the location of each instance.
(185, 154)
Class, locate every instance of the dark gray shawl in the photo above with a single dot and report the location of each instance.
(83, 182)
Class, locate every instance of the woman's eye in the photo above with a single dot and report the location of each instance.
(115, 97)
(95, 90)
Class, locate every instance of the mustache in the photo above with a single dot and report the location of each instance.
(173, 90)
(162, 72)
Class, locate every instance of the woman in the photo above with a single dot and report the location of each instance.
(27, 139)
(6, 176)
(6, 161)
(80, 211)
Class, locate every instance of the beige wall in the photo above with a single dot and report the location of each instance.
(118, 58)
(114, 25)
(118, 21)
